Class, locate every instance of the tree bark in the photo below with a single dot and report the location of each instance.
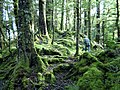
(16, 12)
(1, 16)
(26, 51)
(53, 34)
(98, 22)
(89, 19)
(62, 16)
(77, 32)
(85, 20)
(42, 18)
(117, 20)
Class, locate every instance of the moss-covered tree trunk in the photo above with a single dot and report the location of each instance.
(26, 51)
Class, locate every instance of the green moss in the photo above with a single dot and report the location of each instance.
(6, 53)
(72, 87)
(61, 67)
(42, 66)
(66, 42)
(49, 77)
(41, 77)
(91, 80)
(45, 60)
(108, 55)
(115, 87)
(86, 59)
(113, 66)
(112, 81)
(55, 60)
(62, 49)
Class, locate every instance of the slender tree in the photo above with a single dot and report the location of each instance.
(98, 22)
(53, 23)
(89, 19)
(1, 16)
(16, 12)
(42, 18)
(74, 15)
(85, 20)
(62, 15)
(117, 20)
(77, 31)
(49, 7)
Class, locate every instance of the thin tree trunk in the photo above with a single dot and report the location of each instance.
(117, 20)
(85, 20)
(62, 16)
(89, 20)
(55, 16)
(77, 32)
(53, 23)
(16, 12)
(49, 14)
(98, 23)
(103, 31)
(66, 23)
(42, 18)
(1, 21)
(74, 16)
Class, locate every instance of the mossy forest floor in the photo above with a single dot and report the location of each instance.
(60, 70)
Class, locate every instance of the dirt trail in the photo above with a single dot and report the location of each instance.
(60, 81)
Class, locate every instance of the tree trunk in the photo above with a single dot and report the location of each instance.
(77, 32)
(62, 16)
(85, 20)
(49, 14)
(117, 20)
(42, 18)
(74, 15)
(98, 22)
(26, 51)
(103, 31)
(66, 16)
(53, 23)
(89, 19)
(16, 12)
(1, 21)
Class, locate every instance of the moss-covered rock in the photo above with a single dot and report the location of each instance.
(91, 80)
(87, 59)
(66, 42)
(108, 55)
(64, 50)
(112, 81)
(45, 49)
